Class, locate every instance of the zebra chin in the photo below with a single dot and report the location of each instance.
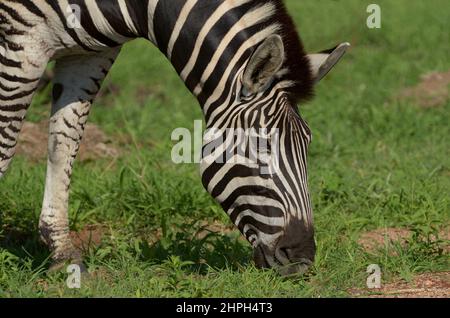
(292, 255)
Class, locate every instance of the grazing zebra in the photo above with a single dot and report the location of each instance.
(242, 59)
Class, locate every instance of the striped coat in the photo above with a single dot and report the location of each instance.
(242, 59)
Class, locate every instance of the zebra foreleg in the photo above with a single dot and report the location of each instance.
(77, 81)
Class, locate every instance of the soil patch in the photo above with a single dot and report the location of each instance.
(432, 91)
(90, 236)
(427, 285)
(377, 239)
(95, 144)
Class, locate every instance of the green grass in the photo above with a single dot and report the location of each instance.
(375, 162)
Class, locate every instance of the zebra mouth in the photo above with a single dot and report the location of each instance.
(292, 269)
(259, 257)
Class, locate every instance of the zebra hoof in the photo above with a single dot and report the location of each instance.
(71, 261)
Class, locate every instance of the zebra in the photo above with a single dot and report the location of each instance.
(242, 59)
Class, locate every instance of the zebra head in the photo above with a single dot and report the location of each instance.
(255, 152)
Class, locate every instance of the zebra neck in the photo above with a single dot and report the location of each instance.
(208, 42)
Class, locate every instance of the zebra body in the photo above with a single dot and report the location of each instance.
(243, 61)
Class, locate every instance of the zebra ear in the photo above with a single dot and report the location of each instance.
(265, 62)
(323, 62)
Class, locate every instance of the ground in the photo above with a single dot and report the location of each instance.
(425, 285)
(379, 169)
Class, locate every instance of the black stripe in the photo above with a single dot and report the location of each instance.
(111, 12)
(236, 171)
(225, 59)
(14, 78)
(15, 15)
(264, 210)
(14, 108)
(97, 82)
(4, 135)
(5, 157)
(197, 18)
(89, 92)
(32, 8)
(13, 31)
(164, 20)
(13, 128)
(268, 229)
(65, 135)
(6, 146)
(250, 191)
(13, 46)
(7, 88)
(89, 26)
(70, 31)
(9, 63)
(138, 11)
(229, 85)
(17, 96)
(8, 119)
(61, 41)
(294, 179)
(212, 41)
(69, 125)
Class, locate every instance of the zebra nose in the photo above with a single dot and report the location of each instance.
(302, 253)
(295, 261)
(299, 267)
(296, 250)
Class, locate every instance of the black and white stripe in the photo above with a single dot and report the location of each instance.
(211, 44)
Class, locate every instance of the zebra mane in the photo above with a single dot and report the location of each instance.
(296, 60)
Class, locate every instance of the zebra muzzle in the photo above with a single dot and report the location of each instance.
(295, 269)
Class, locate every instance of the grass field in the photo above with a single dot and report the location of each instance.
(376, 161)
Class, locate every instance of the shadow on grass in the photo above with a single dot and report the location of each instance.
(25, 244)
(199, 247)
